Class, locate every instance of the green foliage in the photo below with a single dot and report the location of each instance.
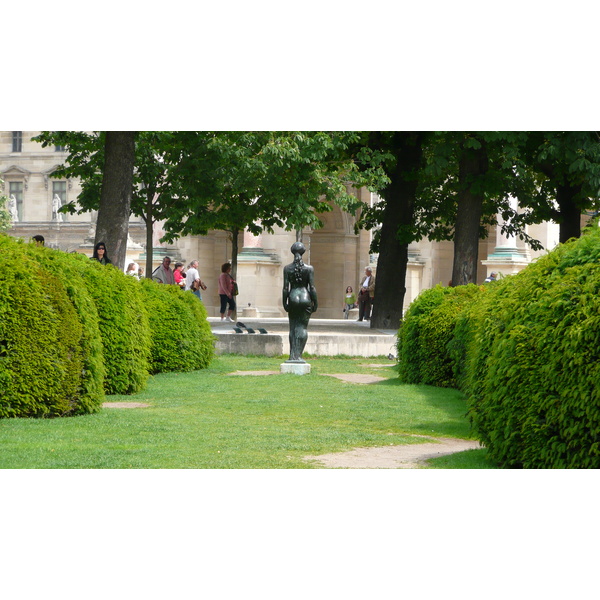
(123, 325)
(69, 268)
(181, 336)
(232, 180)
(72, 329)
(426, 331)
(532, 361)
(44, 358)
(526, 352)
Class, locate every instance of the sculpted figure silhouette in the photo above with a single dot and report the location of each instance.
(299, 300)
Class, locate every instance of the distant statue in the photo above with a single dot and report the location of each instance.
(91, 234)
(131, 244)
(56, 204)
(299, 300)
(12, 209)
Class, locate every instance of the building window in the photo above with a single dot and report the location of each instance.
(59, 148)
(15, 189)
(59, 188)
(17, 141)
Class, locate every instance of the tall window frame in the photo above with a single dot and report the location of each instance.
(59, 188)
(15, 188)
(17, 141)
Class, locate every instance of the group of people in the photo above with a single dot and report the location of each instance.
(188, 279)
(364, 302)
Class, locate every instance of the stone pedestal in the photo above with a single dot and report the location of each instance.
(295, 368)
(249, 311)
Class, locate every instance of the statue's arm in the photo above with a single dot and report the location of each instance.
(285, 294)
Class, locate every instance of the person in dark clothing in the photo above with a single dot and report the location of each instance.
(100, 254)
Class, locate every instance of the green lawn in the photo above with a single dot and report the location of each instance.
(209, 419)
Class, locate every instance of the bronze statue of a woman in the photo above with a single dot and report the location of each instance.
(299, 300)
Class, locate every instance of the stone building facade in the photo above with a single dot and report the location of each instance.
(338, 255)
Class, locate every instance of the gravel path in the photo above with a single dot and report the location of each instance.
(408, 456)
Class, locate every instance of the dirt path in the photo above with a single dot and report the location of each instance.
(408, 456)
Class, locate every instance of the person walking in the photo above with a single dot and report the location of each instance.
(163, 273)
(366, 295)
(226, 291)
(193, 283)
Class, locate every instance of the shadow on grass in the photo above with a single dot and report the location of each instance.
(449, 401)
(469, 459)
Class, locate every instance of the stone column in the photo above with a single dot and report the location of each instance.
(507, 258)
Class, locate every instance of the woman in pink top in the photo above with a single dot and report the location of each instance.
(179, 275)
(226, 285)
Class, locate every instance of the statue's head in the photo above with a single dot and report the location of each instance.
(298, 248)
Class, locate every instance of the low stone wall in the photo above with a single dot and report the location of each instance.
(319, 344)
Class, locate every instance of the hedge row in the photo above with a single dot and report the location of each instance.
(72, 330)
(526, 352)
(426, 331)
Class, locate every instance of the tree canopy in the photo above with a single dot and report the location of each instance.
(443, 185)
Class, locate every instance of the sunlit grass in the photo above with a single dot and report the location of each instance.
(469, 459)
(211, 419)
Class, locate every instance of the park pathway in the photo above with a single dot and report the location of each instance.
(407, 456)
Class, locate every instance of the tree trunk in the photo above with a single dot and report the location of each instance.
(472, 165)
(570, 212)
(399, 197)
(149, 218)
(115, 198)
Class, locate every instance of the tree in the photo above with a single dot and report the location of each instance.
(568, 166)
(258, 180)
(401, 156)
(114, 210)
(466, 182)
(150, 197)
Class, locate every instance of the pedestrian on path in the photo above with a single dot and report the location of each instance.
(227, 287)
(366, 295)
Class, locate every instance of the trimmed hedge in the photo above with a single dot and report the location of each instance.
(42, 349)
(69, 269)
(124, 328)
(526, 353)
(427, 330)
(533, 365)
(72, 330)
(182, 339)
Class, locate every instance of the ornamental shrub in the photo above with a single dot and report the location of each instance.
(532, 369)
(426, 331)
(181, 337)
(42, 357)
(123, 326)
(72, 329)
(69, 268)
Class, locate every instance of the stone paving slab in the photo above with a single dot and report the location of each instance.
(362, 378)
(254, 373)
(125, 405)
